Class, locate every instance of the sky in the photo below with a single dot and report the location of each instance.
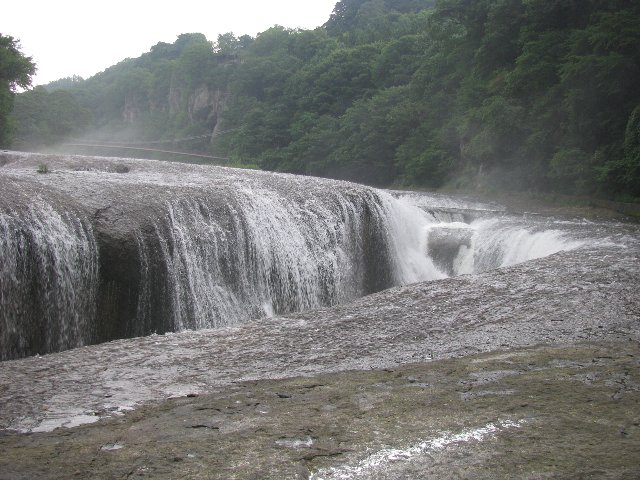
(72, 37)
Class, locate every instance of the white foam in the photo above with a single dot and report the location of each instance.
(378, 461)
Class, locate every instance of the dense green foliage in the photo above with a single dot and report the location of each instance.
(15, 71)
(538, 95)
(527, 95)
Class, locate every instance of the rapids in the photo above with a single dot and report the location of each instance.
(101, 248)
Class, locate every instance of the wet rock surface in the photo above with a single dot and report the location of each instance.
(529, 371)
(559, 412)
(587, 294)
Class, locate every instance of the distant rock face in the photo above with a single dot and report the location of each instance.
(206, 105)
(133, 107)
(175, 99)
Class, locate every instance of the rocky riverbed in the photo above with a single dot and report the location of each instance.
(530, 371)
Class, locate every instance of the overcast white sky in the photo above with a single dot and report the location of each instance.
(74, 37)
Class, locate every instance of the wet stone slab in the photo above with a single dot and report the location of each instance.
(552, 424)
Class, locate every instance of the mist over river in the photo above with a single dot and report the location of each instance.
(128, 282)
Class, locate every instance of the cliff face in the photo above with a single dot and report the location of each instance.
(206, 105)
(202, 105)
(133, 108)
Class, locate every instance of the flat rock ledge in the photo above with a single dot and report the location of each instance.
(538, 412)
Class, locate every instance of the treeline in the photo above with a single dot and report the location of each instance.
(535, 95)
(145, 99)
(16, 71)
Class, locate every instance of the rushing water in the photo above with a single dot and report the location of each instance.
(110, 248)
(49, 271)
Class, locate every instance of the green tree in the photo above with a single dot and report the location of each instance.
(44, 118)
(343, 16)
(227, 44)
(623, 171)
(399, 60)
(332, 84)
(370, 133)
(16, 71)
(195, 62)
(631, 167)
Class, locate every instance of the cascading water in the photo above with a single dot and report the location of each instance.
(459, 248)
(407, 226)
(500, 244)
(460, 238)
(49, 272)
(156, 247)
(265, 254)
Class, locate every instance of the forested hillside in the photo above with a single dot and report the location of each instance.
(535, 95)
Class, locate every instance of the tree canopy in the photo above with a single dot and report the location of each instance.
(536, 95)
(15, 71)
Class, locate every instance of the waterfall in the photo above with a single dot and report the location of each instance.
(502, 243)
(263, 254)
(49, 272)
(94, 252)
(458, 248)
(407, 227)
